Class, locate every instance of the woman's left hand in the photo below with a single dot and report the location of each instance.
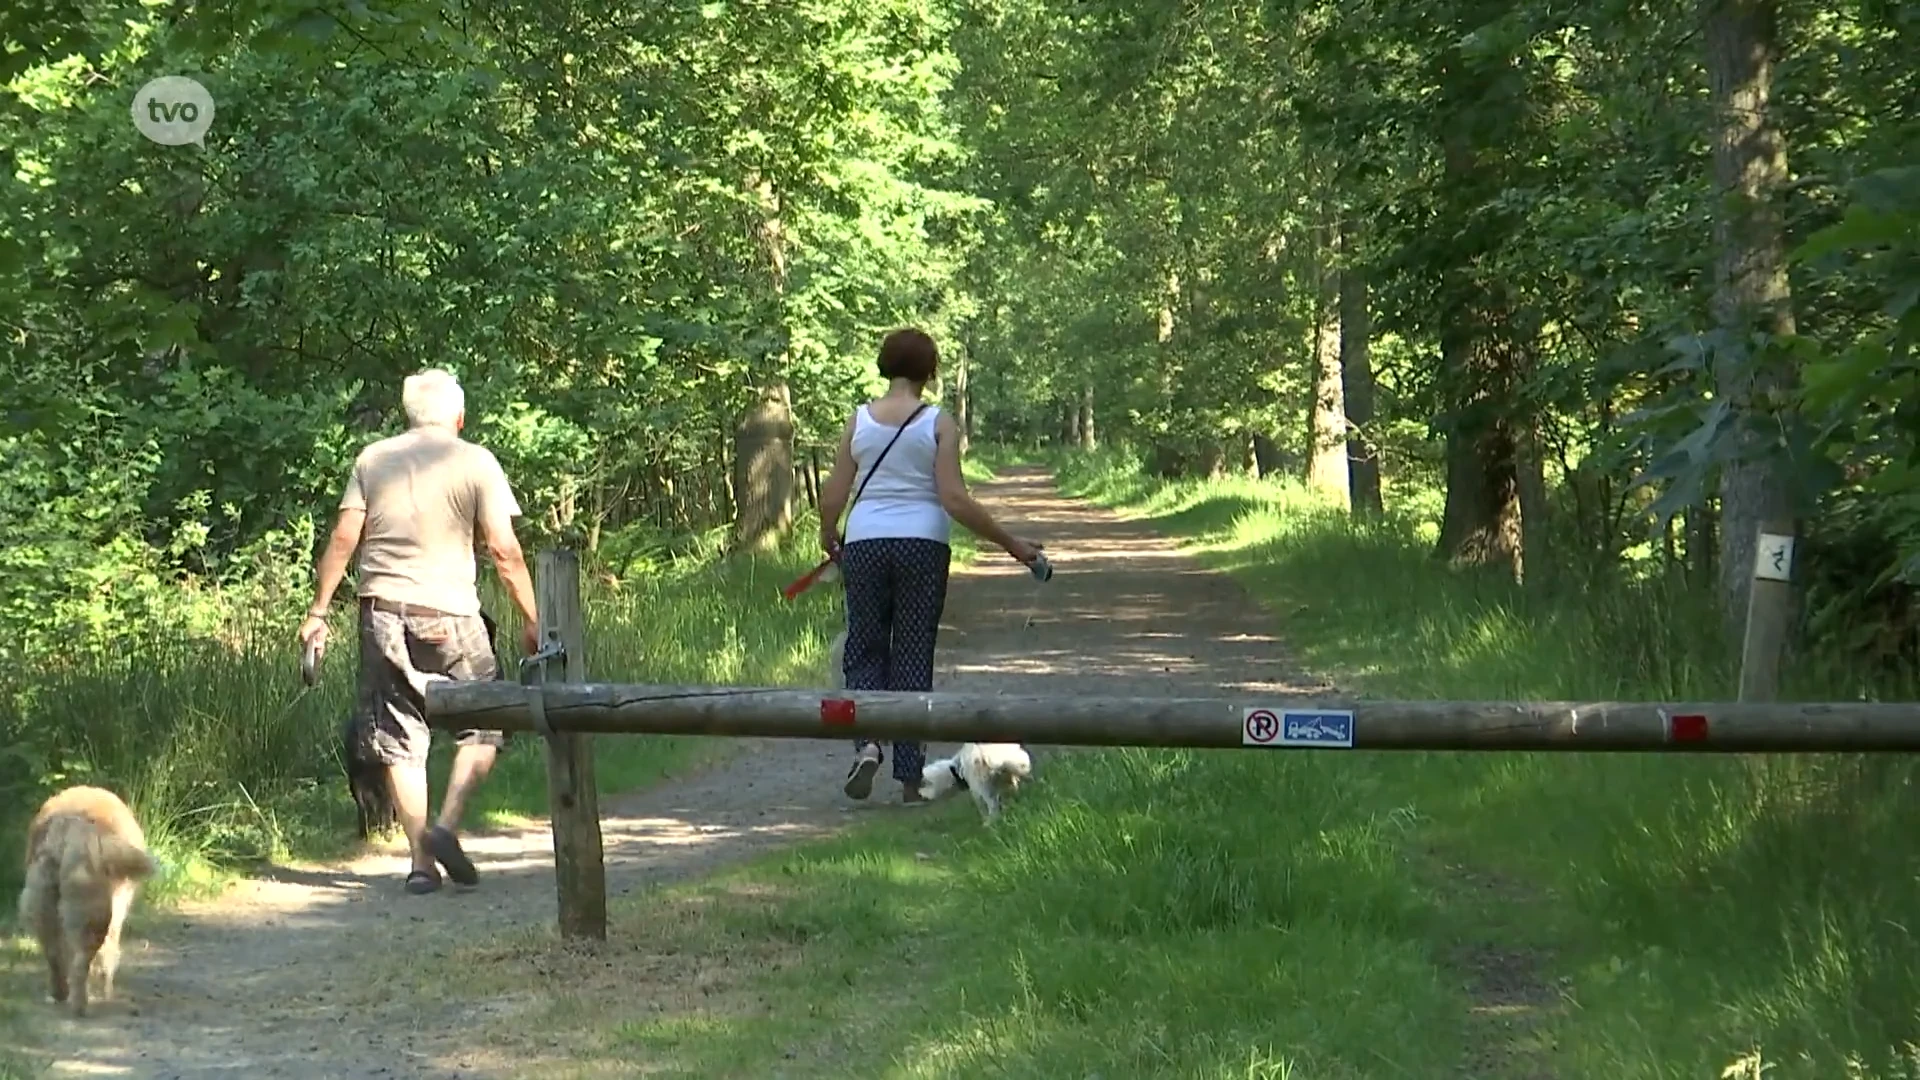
(830, 543)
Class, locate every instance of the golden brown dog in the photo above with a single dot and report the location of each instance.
(86, 858)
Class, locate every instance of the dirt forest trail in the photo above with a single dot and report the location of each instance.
(271, 979)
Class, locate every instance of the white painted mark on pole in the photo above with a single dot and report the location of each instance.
(1328, 727)
(1260, 727)
(1773, 558)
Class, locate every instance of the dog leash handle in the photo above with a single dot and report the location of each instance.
(533, 676)
(310, 653)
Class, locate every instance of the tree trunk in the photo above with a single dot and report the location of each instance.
(1536, 561)
(1166, 461)
(1481, 523)
(1267, 457)
(962, 404)
(1210, 459)
(1327, 413)
(763, 470)
(1701, 541)
(1356, 377)
(1087, 441)
(1751, 296)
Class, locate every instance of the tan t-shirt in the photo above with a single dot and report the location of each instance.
(426, 493)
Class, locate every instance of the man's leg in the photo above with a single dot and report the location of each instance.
(465, 652)
(391, 727)
(409, 786)
(471, 764)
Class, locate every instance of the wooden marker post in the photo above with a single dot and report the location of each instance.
(1769, 611)
(579, 866)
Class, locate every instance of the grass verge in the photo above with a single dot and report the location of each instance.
(1097, 933)
(1681, 916)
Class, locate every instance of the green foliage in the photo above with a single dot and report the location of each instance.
(613, 225)
(1526, 190)
(1862, 399)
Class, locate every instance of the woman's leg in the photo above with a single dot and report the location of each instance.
(919, 596)
(866, 574)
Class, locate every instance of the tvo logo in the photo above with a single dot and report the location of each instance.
(173, 110)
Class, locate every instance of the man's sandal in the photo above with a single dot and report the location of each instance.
(445, 848)
(420, 883)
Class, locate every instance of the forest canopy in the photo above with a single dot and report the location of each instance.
(1624, 281)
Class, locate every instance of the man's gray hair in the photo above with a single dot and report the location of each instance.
(433, 397)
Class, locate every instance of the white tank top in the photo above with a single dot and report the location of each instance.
(902, 499)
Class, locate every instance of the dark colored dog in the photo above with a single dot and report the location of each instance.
(368, 781)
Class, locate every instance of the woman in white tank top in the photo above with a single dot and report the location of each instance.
(894, 555)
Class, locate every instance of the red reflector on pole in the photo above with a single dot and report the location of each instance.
(836, 711)
(1689, 728)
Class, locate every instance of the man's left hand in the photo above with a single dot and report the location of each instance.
(529, 637)
(313, 631)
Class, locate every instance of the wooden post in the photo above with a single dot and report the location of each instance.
(1769, 611)
(579, 866)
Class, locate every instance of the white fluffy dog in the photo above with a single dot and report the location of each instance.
(984, 770)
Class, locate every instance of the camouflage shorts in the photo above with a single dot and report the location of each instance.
(399, 656)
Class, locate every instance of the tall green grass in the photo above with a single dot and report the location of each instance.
(1709, 912)
(228, 759)
(1115, 924)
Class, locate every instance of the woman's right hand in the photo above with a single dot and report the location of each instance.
(1023, 550)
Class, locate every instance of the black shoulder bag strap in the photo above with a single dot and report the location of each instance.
(883, 456)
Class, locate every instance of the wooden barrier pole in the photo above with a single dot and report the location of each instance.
(1274, 721)
(579, 865)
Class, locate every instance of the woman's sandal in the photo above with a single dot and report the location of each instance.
(860, 777)
(420, 882)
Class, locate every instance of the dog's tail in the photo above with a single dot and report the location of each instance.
(120, 859)
(936, 778)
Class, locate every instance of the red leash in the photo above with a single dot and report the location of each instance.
(807, 580)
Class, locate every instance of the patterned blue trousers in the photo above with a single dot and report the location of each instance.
(896, 590)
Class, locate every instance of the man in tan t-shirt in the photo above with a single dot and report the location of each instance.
(413, 506)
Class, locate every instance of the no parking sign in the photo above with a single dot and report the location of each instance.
(1331, 728)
